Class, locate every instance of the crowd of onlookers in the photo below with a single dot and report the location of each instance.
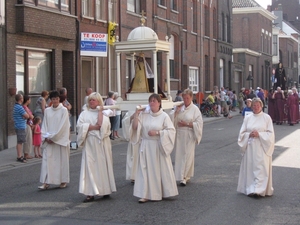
(283, 105)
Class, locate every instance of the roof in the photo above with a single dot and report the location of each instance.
(244, 3)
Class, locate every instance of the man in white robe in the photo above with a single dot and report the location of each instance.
(55, 134)
(255, 176)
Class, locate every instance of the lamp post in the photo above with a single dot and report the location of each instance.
(249, 78)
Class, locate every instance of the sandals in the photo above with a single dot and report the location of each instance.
(21, 159)
(44, 187)
(89, 199)
(143, 200)
(63, 185)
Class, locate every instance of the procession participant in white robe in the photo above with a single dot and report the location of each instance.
(55, 134)
(256, 141)
(155, 133)
(96, 174)
(189, 125)
(132, 150)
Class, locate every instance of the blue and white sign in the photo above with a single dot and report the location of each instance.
(93, 44)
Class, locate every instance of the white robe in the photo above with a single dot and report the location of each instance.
(132, 150)
(55, 162)
(186, 140)
(96, 173)
(155, 176)
(256, 167)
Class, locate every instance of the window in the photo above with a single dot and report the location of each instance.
(62, 5)
(193, 79)
(206, 73)
(162, 2)
(87, 8)
(100, 10)
(228, 29)
(223, 27)
(206, 21)
(134, 6)
(275, 46)
(33, 69)
(215, 23)
(262, 42)
(173, 5)
(171, 57)
(194, 22)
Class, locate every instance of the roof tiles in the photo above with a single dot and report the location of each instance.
(244, 3)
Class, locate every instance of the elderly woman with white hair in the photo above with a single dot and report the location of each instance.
(256, 140)
(96, 174)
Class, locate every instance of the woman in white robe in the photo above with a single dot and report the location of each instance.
(56, 148)
(132, 150)
(154, 132)
(256, 141)
(96, 174)
(189, 125)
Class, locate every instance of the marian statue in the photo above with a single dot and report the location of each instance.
(143, 82)
(142, 73)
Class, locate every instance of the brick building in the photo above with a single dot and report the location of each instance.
(290, 10)
(44, 53)
(287, 41)
(182, 22)
(40, 52)
(252, 41)
(223, 75)
(93, 71)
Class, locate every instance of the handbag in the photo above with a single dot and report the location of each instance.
(44, 145)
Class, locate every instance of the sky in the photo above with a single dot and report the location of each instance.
(264, 3)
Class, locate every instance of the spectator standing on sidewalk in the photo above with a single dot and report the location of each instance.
(247, 108)
(20, 117)
(110, 101)
(223, 101)
(242, 98)
(261, 96)
(27, 146)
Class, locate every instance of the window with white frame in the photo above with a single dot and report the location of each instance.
(194, 79)
(100, 10)
(87, 8)
(62, 5)
(33, 69)
(134, 6)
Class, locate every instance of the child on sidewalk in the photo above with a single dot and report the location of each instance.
(37, 137)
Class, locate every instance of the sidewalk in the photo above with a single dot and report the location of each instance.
(8, 157)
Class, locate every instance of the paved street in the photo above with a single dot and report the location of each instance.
(210, 197)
